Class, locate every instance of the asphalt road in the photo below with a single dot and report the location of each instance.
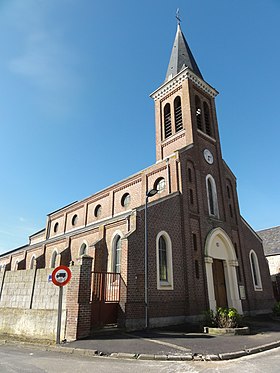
(18, 359)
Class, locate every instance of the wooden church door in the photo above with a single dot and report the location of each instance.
(219, 283)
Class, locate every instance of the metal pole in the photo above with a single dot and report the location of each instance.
(59, 312)
(146, 268)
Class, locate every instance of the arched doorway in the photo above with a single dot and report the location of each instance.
(220, 264)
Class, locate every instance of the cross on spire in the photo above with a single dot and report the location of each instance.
(178, 16)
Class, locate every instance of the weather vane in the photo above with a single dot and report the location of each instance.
(178, 16)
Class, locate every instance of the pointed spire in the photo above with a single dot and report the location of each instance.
(181, 55)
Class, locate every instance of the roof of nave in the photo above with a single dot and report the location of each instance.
(271, 240)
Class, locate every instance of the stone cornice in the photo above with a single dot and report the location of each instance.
(186, 73)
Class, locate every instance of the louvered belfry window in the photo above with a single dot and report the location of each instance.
(167, 121)
(198, 113)
(207, 119)
(178, 114)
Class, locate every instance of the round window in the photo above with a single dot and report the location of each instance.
(74, 219)
(159, 184)
(125, 200)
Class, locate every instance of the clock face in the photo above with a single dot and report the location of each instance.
(208, 156)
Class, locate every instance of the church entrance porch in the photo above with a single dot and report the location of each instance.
(220, 264)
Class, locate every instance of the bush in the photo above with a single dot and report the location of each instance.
(276, 309)
(223, 318)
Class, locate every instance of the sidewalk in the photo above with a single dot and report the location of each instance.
(179, 343)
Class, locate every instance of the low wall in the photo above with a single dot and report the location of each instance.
(28, 304)
(29, 323)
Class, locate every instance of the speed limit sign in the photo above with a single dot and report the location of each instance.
(61, 275)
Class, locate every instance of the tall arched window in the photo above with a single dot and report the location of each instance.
(53, 259)
(32, 262)
(167, 121)
(178, 114)
(198, 113)
(212, 196)
(164, 262)
(207, 120)
(256, 276)
(116, 255)
(83, 249)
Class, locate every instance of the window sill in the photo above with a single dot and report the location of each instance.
(165, 286)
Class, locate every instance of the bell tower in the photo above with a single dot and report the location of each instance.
(184, 103)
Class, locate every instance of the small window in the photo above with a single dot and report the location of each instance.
(83, 249)
(125, 201)
(255, 270)
(207, 119)
(228, 192)
(212, 196)
(198, 113)
(191, 197)
(159, 184)
(33, 261)
(194, 238)
(55, 228)
(167, 121)
(196, 265)
(230, 210)
(97, 211)
(116, 255)
(178, 114)
(190, 175)
(53, 259)
(74, 219)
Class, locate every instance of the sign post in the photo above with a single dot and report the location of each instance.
(60, 276)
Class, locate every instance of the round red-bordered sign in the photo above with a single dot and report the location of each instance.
(61, 275)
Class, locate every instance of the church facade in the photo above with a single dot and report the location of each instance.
(201, 253)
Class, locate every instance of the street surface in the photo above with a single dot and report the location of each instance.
(19, 359)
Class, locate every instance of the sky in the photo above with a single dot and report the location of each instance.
(75, 111)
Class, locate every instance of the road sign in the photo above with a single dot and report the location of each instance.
(61, 275)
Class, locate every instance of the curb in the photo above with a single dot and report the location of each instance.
(164, 357)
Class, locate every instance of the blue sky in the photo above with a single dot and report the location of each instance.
(75, 111)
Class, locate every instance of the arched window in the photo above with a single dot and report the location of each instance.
(116, 255)
(178, 114)
(207, 120)
(167, 121)
(198, 113)
(190, 175)
(163, 273)
(256, 276)
(228, 192)
(32, 262)
(164, 262)
(212, 196)
(53, 259)
(159, 184)
(83, 249)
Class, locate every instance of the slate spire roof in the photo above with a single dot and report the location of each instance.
(181, 57)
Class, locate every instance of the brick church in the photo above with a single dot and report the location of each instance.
(201, 253)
